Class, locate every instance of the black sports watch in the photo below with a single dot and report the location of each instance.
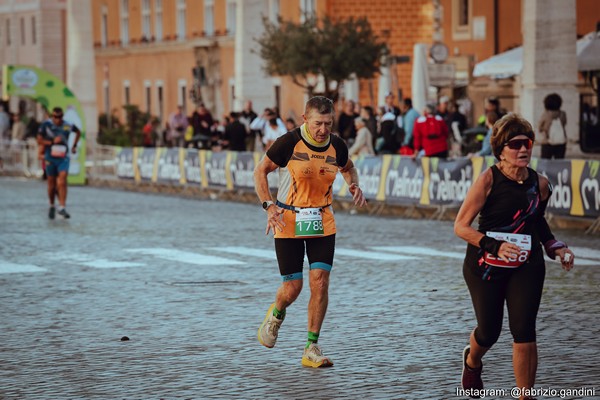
(267, 204)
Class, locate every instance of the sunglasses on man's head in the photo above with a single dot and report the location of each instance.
(57, 116)
(518, 143)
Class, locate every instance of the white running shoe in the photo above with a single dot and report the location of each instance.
(269, 329)
(313, 357)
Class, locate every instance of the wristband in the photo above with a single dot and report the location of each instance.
(490, 245)
(552, 245)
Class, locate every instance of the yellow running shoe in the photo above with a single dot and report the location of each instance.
(269, 329)
(313, 357)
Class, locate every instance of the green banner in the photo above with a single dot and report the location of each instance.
(50, 92)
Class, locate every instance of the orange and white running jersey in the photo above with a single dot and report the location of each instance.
(306, 176)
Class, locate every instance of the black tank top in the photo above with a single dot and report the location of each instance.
(511, 207)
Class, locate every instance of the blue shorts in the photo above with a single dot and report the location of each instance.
(56, 165)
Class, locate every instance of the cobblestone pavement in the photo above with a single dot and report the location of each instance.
(189, 281)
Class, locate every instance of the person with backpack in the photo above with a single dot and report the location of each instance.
(551, 128)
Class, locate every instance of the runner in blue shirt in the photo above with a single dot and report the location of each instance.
(53, 134)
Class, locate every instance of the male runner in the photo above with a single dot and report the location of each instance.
(308, 159)
(53, 135)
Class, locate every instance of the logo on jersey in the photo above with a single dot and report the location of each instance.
(331, 161)
(300, 157)
(324, 170)
(317, 156)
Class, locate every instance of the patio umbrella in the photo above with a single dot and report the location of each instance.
(420, 77)
(588, 53)
(510, 63)
(385, 86)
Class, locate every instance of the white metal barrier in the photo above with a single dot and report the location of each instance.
(21, 157)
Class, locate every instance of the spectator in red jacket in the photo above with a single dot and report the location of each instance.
(430, 134)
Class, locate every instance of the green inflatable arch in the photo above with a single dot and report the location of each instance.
(48, 90)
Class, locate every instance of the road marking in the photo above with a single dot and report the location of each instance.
(372, 255)
(72, 257)
(584, 252)
(11, 268)
(100, 263)
(89, 260)
(420, 251)
(270, 254)
(578, 261)
(185, 256)
(247, 251)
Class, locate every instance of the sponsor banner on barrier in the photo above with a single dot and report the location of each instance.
(589, 187)
(449, 180)
(125, 163)
(169, 165)
(392, 179)
(147, 162)
(215, 169)
(241, 167)
(404, 181)
(558, 173)
(576, 190)
(370, 172)
(191, 167)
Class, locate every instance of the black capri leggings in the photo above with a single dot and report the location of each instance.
(522, 290)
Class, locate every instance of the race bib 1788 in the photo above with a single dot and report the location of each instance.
(309, 222)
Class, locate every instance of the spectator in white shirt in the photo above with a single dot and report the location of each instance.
(271, 127)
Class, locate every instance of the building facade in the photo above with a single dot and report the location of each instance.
(32, 33)
(158, 54)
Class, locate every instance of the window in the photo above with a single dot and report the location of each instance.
(461, 19)
(148, 95)
(126, 92)
(182, 95)
(274, 11)
(126, 98)
(181, 19)
(124, 22)
(161, 100)
(158, 26)
(22, 31)
(209, 25)
(231, 16)
(307, 8)
(104, 27)
(106, 98)
(8, 32)
(463, 13)
(33, 31)
(146, 29)
(277, 89)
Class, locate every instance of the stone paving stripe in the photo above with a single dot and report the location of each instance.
(585, 252)
(100, 263)
(578, 261)
(186, 256)
(371, 255)
(72, 257)
(11, 268)
(247, 251)
(420, 251)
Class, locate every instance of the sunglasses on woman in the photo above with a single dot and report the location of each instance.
(518, 143)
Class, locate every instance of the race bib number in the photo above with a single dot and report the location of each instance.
(523, 241)
(309, 222)
(58, 150)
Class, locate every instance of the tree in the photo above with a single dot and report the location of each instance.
(329, 50)
(122, 134)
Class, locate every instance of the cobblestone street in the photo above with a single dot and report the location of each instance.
(189, 281)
